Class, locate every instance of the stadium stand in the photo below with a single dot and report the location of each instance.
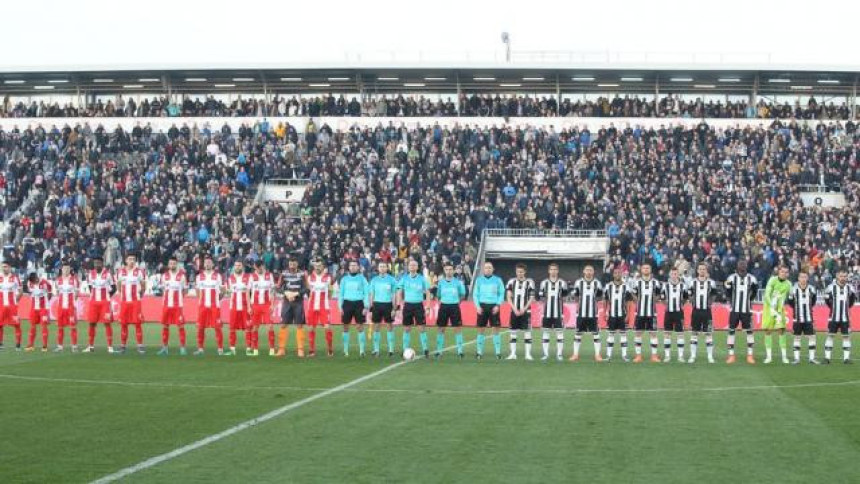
(474, 104)
(675, 196)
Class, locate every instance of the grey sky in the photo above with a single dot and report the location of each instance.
(100, 32)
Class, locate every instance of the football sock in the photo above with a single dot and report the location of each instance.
(750, 342)
(610, 345)
(513, 341)
(846, 349)
(637, 340)
(768, 345)
(828, 346)
(624, 345)
(344, 336)
(596, 341)
(377, 341)
(811, 346)
(329, 340)
(577, 341)
(679, 343)
(219, 338)
(528, 341)
(361, 341)
(138, 334)
(283, 336)
(422, 337)
(300, 339)
(559, 342)
(389, 338)
(407, 339)
(165, 335)
(480, 344)
(694, 345)
(545, 343)
(201, 336)
(796, 347)
(497, 343)
(667, 345)
(709, 345)
(182, 336)
(654, 343)
(730, 342)
(458, 339)
(440, 342)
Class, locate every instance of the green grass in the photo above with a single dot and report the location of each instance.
(79, 417)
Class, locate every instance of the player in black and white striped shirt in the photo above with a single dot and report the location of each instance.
(586, 291)
(802, 299)
(521, 295)
(839, 297)
(616, 295)
(741, 288)
(646, 290)
(552, 292)
(701, 291)
(674, 294)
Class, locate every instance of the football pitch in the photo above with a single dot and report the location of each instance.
(80, 417)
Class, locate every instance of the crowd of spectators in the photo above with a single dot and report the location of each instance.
(673, 196)
(498, 105)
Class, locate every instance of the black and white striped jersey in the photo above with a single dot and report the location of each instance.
(616, 297)
(587, 292)
(552, 293)
(674, 295)
(701, 293)
(802, 300)
(646, 293)
(742, 290)
(520, 292)
(840, 299)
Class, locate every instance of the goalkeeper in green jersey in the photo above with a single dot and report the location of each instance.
(774, 316)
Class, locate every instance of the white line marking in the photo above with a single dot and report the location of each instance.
(154, 461)
(444, 391)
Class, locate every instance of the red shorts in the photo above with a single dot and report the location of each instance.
(172, 316)
(66, 317)
(99, 312)
(261, 314)
(129, 312)
(314, 317)
(38, 316)
(239, 319)
(209, 317)
(9, 316)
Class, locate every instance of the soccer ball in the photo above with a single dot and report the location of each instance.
(408, 354)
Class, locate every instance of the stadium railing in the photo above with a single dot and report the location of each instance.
(544, 233)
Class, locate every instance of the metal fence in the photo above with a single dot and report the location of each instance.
(584, 233)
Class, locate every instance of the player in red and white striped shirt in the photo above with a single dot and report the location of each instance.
(40, 295)
(262, 288)
(174, 283)
(209, 287)
(102, 287)
(10, 290)
(131, 282)
(238, 285)
(319, 289)
(67, 286)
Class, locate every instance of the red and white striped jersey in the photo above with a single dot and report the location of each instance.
(40, 292)
(67, 290)
(100, 284)
(239, 286)
(261, 288)
(130, 283)
(319, 286)
(174, 287)
(9, 287)
(209, 287)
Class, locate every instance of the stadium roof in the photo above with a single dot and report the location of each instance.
(430, 77)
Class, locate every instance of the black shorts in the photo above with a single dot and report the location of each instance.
(449, 314)
(673, 321)
(552, 323)
(293, 312)
(701, 320)
(834, 327)
(617, 324)
(586, 325)
(644, 323)
(745, 320)
(522, 321)
(413, 314)
(352, 310)
(381, 311)
(487, 317)
(803, 329)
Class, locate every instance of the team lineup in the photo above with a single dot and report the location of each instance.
(306, 300)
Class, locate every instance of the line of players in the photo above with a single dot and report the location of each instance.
(252, 296)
